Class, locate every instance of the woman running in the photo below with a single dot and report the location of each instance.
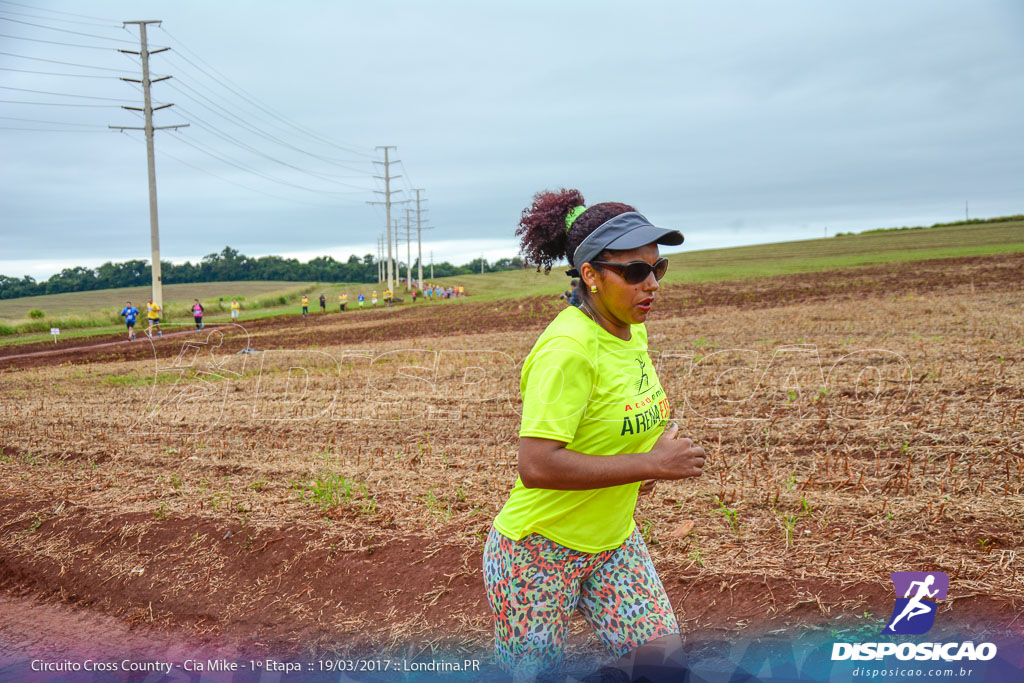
(593, 436)
(197, 313)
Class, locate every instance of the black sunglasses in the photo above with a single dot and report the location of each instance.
(636, 272)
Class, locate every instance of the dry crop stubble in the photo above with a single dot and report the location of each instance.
(307, 492)
(936, 476)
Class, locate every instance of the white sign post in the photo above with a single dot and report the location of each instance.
(54, 331)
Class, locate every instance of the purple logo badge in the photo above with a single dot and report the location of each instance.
(914, 612)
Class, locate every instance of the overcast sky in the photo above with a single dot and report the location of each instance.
(739, 122)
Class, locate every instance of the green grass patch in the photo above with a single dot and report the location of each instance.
(109, 302)
(328, 490)
(268, 299)
(135, 380)
(781, 258)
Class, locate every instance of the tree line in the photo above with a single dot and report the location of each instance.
(227, 265)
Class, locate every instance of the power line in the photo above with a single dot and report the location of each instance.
(230, 138)
(405, 176)
(221, 83)
(51, 73)
(227, 114)
(250, 126)
(225, 159)
(57, 104)
(54, 61)
(226, 180)
(56, 42)
(63, 94)
(291, 128)
(241, 93)
(66, 21)
(46, 9)
(51, 130)
(56, 123)
(65, 30)
(241, 119)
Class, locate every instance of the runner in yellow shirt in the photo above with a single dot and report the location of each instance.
(153, 318)
(594, 434)
(305, 305)
(373, 298)
(387, 297)
(342, 301)
(235, 308)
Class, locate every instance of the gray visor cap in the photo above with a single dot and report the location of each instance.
(628, 230)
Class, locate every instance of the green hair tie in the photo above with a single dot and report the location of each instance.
(573, 215)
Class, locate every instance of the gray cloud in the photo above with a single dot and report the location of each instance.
(736, 123)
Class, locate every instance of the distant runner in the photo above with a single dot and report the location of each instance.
(305, 305)
(387, 297)
(129, 313)
(342, 301)
(323, 303)
(153, 318)
(197, 313)
(235, 307)
(373, 298)
(361, 299)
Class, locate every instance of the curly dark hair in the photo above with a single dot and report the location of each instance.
(544, 239)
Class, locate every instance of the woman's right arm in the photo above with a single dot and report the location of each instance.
(547, 464)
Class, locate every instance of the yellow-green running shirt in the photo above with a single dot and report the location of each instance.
(599, 395)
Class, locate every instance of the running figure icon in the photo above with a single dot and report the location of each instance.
(916, 607)
(914, 613)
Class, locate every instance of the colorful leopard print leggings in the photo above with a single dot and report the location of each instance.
(535, 584)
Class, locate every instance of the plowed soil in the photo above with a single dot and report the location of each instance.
(243, 513)
(436, 319)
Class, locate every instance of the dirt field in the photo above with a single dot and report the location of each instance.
(334, 491)
(107, 301)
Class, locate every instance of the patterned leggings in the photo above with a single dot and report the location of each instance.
(535, 584)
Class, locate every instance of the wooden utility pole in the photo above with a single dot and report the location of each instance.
(147, 110)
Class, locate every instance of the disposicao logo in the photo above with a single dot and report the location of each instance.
(914, 614)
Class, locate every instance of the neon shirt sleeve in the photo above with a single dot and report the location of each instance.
(557, 380)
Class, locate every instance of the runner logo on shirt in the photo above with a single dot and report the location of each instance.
(643, 383)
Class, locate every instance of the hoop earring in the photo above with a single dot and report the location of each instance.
(593, 289)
